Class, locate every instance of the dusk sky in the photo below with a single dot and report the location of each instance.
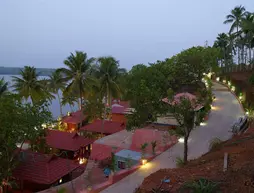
(42, 33)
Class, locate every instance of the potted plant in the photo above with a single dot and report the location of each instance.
(143, 149)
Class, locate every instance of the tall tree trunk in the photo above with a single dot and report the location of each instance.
(60, 104)
(238, 46)
(249, 55)
(185, 156)
(81, 97)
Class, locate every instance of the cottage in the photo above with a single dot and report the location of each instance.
(193, 99)
(74, 121)
(36, 171)
(77, 147)
(100, 128)
(119, 110)
(126, 159)
(116, 142)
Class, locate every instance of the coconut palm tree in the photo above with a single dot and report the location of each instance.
(29, 86)
(235, 18)
(71, 100)
(222, 42)
(107, 71)
(247, 27)
(3, 87)
(55, 84)
(77, 75)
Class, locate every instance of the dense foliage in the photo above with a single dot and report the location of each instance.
(19, 123)
(237, 47)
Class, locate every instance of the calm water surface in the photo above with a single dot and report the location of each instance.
(54, 107)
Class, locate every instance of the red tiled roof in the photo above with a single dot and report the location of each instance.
(42, 169)
(125, 104)
(110, 127)
(118, 110)
(74, 118)
(185, 95)
(101, 152)
(66, 141)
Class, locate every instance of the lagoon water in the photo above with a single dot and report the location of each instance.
(54, 107)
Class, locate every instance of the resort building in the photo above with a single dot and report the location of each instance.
(69, 145)
(130, 143)
(100, 128)
(74, 121)
(119, 110)
(36, 171)
(193, 99)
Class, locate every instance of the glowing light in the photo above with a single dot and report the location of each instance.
(214, 107)
(224, 81)
(247, 113)
(240, 97)
(202, 124)
(218, 79)
(69, 113)
(82, 161)
(233, 88)
(144, 161)
(147, 166)
(60, 181)
(44, 125)
(229, 83)
(181, 140)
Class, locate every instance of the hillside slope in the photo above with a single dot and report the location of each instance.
(239, 176)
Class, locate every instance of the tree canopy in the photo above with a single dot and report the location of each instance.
(19, 123)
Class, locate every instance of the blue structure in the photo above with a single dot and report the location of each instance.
(126, 159)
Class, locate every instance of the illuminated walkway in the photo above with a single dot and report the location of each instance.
(226, 110)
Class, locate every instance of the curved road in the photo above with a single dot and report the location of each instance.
(226, 111)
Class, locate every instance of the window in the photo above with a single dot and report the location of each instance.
(121, 165)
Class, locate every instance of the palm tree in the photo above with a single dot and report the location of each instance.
(3, 87)
(247, 27)
(71, 100)
(235, 18)
(29, 86)
(77, 75)
(222, 42)
(107, 71)
(55, 84)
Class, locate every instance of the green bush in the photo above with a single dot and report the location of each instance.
(179, 162)
(215, 143)
(200, 186)
(61, 190)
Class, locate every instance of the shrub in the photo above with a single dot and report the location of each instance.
(154, 144)
(215, 143)
(143, 149)
(179, 162)
(62, 190)
(201, 186)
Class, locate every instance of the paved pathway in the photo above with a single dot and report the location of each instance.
(227, 110)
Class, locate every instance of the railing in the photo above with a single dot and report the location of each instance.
(237, 68)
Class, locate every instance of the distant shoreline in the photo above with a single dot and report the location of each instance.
(16, 71)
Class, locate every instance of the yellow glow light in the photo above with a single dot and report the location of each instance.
(181, 140)
(247, 113)
(144, 161)
(218, 79)
(224, 81)
(60, 181)
(240, 97)
(147, 166)
(229, 83)
(82, 161)
(233, 88)
(202, 124)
